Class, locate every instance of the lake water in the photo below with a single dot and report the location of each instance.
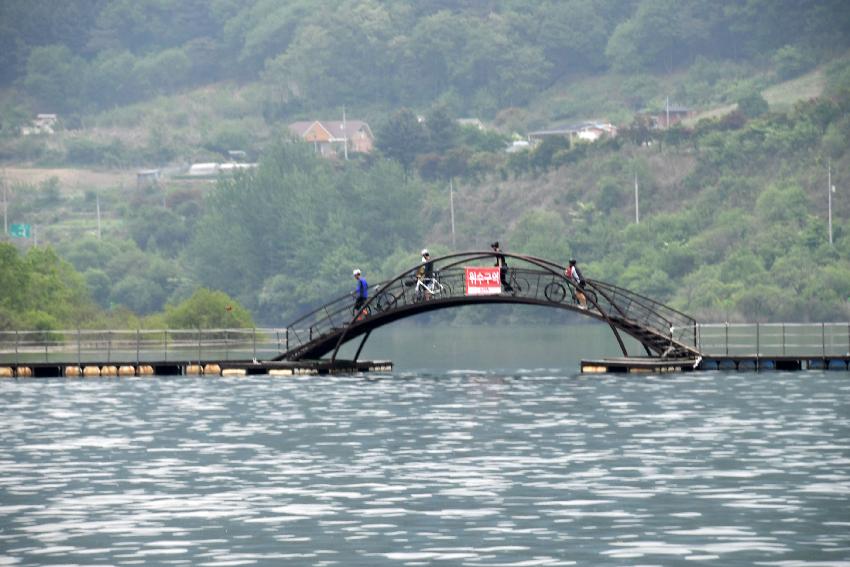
(499, 453)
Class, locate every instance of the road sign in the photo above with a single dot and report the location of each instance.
(483, 281)
(19, 230)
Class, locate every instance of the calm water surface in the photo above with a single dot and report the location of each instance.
(523, 465)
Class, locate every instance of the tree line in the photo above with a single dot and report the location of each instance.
(86, 55)
(40, 291)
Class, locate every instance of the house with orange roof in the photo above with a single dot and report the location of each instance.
(332, 138)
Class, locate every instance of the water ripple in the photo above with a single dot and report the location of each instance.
(459, 468)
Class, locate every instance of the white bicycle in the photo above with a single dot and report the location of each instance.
(423, 290)
(430, 288)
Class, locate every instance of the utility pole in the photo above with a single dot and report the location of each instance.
(637, 202)
(452, 208)
(830, 189)
(5, 208)
(97, 201)
(344, 135)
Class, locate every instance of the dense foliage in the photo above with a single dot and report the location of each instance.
(207, 309)
(733, 215)
(40, 291)
(80, 55)
(289, 234)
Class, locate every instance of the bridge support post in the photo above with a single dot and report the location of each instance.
(620, 341)
(363, 342)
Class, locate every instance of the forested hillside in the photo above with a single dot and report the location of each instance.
(78, 57)
(732, 209)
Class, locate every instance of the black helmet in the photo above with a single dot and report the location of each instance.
(495, 244)
(572, 261)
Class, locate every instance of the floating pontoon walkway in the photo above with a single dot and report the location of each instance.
(244, 352)
(202, 368)
(748, 347)
(218, 352)
(640, 365)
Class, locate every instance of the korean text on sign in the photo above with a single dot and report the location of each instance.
(483, 281)
(19, 230)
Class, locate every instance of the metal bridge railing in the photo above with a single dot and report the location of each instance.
(619, 303)
(142, 345)
(774, 339)
(531, 279)
(403, 292)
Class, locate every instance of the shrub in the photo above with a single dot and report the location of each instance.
(753, 105)
(791, 61)
(88, 152)
(208, 309)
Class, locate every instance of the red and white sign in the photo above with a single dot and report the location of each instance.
(483, 281)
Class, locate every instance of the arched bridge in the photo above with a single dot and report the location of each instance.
(661, 330)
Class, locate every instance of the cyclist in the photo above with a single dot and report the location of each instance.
(426, 270)
(503, 267)
(425, 273)
(361, 292)
(574, 275)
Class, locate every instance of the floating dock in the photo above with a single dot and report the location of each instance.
(636, 365)
(198, 368)
(745, 363)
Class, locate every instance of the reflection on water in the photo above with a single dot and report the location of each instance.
(491, 347)
(520, 467)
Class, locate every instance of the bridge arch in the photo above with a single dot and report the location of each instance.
(661, 330)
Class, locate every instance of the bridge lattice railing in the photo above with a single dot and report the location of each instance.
(339, 312)
(529, 283)
(634, 310)
(620, 304)
(530, 279)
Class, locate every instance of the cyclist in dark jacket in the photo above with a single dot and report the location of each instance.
(574, 275)
(425, 274)
(426, 268)
(503, 267)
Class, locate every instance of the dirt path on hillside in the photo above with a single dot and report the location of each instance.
(780, 96)
(69, 178)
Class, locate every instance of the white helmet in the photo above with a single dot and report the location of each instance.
(425, 252)
(356, 272)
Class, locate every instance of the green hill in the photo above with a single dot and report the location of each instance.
(732, 203)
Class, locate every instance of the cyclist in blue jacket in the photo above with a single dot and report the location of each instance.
(361, 292)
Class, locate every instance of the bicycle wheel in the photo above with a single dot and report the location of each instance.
(419, 294)
(445, 290)
(555, 292)
(520, 286)
(385, 301)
